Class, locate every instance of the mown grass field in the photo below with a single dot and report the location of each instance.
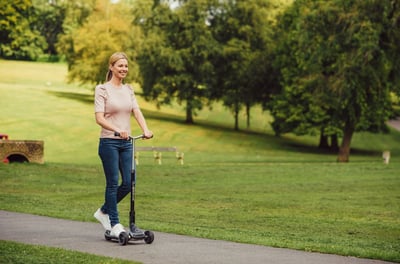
(16, 253)
(247, 186)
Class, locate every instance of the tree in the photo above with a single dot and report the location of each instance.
(335, 57)
(175, 57)
(296, 108)
(106, 30)
(19, 39)
(48, 20)
(389, 40)
(242, 65)
(77, 12)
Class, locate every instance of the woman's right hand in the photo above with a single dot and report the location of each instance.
(123, 134)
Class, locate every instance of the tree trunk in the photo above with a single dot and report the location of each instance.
(236, 120)
(323, 141)
(248, 115)
(334, 143)
(189, 113)
(344, 150)
(236, 117)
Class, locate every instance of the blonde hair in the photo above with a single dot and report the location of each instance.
(113, 59)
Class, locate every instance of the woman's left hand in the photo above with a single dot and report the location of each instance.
(148, 134)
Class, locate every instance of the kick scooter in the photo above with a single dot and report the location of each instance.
(134, 233)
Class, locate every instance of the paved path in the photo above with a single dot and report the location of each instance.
(395, 123)
(166, 248)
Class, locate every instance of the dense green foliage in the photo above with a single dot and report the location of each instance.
(176, 55)
(107, 29)
(243, 64)
(337, 64)
(18, 34)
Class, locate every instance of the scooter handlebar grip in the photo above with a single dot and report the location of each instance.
(117, 134)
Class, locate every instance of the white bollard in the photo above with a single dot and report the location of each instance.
(386, 156)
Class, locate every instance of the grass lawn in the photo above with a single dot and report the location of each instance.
(17, 253)
(246, 186)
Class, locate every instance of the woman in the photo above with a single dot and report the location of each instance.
(114, 104)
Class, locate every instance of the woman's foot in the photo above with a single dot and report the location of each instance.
(116, 230)
(103, 219)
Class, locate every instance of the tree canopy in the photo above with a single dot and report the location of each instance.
(19, 37)
(176, 52)
(336, 67)
(107, 29)
(242, 66)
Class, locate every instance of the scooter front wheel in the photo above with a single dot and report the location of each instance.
(149, 237)
(123, 238)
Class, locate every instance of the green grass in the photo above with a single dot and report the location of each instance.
(246, 186)
(16, 253)
(325, 207)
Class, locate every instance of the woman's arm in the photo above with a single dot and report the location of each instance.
(142, 123)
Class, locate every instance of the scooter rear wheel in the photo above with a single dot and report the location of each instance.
(107, 235)
(123, 238)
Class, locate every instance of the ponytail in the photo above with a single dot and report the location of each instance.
(109, 75)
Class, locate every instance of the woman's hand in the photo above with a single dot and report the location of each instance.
(147, 134)
(123, 134)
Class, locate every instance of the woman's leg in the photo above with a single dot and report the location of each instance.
(109, 154)
(125, 166)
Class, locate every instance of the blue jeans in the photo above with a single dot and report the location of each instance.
(116, 156)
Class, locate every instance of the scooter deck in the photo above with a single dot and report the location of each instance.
(125, 237)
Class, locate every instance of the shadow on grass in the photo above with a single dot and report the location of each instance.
(284, 143)
(84, 98)
(299, 147)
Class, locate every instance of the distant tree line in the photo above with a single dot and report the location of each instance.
(329, 68)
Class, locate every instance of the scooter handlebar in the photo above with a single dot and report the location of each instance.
(130, 137)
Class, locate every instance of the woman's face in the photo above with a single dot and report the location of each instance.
(120, 68)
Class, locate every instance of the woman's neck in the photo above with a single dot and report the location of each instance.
(116, 82)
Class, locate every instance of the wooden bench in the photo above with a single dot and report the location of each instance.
(157, 153)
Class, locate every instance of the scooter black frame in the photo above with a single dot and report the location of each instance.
(125, 237)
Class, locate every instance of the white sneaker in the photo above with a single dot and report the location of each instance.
(103, 219)
(116, 230)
